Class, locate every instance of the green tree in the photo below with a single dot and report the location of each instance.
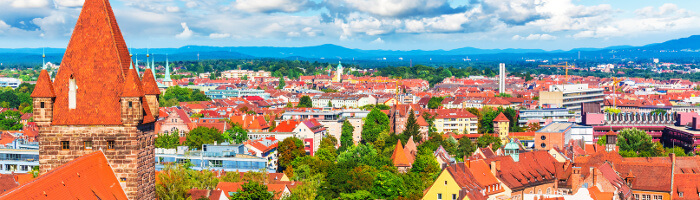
(487, 139)
(503, 95)
(346, 135)
(168, 141)
(426, 163)
(330, 104)
(435, 102)
(602, 140)
(412, 128)
(634, 140)
(236, 134)
(281, 84)
(10, 120)
(203, 135)
(305, 102)
(245, 77)
(387, 185)
(465, 147)
(289, 149)
(253, 191)
(173, 182)
(375, 122)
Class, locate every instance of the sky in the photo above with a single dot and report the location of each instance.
(363, 24)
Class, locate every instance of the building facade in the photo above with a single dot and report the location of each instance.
(97, 102)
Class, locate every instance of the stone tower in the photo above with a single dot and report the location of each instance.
(97, 102)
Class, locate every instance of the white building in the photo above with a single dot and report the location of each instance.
(244, 73)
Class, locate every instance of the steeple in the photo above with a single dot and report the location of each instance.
(43, 59)
(137, 64)
(167, 70)
(153, 66)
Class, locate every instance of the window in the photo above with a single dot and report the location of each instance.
(131, 104)
(646, 197)
(658, 197)
(454, 196)
(42, 105)
(439, 196)
(543, 137)
(445, 182)
(65, 145)
(549, 190)
(122, 179)
(680, 194)
(543, 145)
(636, 196)
(72, 88)
(87, 145)
(110, 144)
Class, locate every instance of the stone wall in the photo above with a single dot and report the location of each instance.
(153, 104)
(43, 116)
(131, 157)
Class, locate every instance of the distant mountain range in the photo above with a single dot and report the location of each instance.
(683, 48)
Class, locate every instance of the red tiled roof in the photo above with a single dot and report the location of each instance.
(286, 126)
(44, 86)
(7, 182)
(501, 118)
(132, 86)
(399, 156)
(149, 83)
(97, 59)
(87, 177)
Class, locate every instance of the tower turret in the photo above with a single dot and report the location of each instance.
(131, 108)
(43, 97)
(167, 71)
(151, 91)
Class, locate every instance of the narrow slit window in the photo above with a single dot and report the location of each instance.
(110, 144)
(72, 88)
(42, 104)
(130, 104)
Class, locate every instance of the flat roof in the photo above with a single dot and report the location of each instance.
(686, 129)
(556, 127)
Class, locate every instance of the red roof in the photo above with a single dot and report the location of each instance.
(399, 156)
(87, 177)
(44, 86)
(286, 126)
(132, 86)
(501, 118)
(149, 83)
(97, 59)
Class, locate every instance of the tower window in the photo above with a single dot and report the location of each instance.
(88, 145)
(72, 88)
(65, 145)
(130, 104)
(110, 144)
(42, 105)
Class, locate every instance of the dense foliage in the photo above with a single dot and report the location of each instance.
(289, 149)
(203, 135)
(305, 102)
(168, 141)
(176, 94)
(346, 135)
(10, 120)
(17, 98)
(375, 122)
(236, 134)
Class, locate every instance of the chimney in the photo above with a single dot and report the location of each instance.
(673, 163)
(494, 167)
(467, 163)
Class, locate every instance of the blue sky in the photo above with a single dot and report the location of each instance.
(363, 24)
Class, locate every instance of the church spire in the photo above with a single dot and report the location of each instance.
(43, 58)
(167, 70)
(137, 64)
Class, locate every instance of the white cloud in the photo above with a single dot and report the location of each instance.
(393, 8)
(187, 33)
(29, 3)
(70, 3)
(172, 9)
(266, 6)
(378, 41)
(191, 4)
(219, 35)
(535, 37)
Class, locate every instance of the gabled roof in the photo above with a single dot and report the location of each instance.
(286, 126)
(44, 86)
(97, 59)
(87, 177)
(399, 156)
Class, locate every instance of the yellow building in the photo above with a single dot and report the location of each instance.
(501, 126)
(472, 179)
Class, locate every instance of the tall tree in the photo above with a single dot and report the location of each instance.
(203, 135)
(375, 122)
(412, 127)
(346, 135)
(236, 134)
(634, 140)
(289, 149)
(281, 84)
(465, 147)
(305, 102)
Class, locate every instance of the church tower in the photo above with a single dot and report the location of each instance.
(339, 73)
(97, 102)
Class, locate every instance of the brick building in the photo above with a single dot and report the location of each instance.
(97, 102)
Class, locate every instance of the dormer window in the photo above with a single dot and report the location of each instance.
(72, 88)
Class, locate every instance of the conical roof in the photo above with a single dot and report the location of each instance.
(44, 86)
(96, 60)
(132, 86)
(399, 156)
(149, 83)
(501, 118)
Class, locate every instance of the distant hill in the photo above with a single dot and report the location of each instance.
(334, 52)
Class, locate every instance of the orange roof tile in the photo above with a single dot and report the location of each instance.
(501, 118)
(97, 59)
(87, 177)
(44, 86)
(399, 156)
(132, 86)
(149, 83)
